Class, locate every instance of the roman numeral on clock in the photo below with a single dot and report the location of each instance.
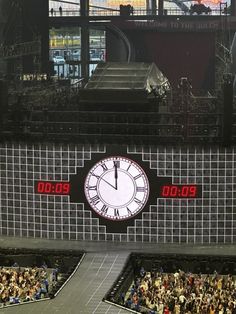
(128, 167)
(116, 212)
(129, 211)
(104, 167)
(140, 189)
(95, 175)
(92, 187)
(104, 209)
(95, 199)
(138, 176)
(116, 163)
(137, 200)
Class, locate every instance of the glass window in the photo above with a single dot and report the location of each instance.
(65, 51)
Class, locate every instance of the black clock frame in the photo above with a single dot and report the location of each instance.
(77, 195)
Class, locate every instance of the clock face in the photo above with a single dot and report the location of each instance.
(116, 188)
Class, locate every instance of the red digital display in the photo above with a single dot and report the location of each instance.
(52, 187)
(179, 191)
(164, 190)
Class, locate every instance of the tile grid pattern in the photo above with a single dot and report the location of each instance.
(210, 219)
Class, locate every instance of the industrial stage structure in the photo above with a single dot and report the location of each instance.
(152, 105)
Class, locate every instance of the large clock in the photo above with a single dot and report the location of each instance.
(116, 188)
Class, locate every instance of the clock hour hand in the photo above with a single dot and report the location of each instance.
(108, 183)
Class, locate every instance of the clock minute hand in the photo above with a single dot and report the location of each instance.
(108, 183)
(116, 176)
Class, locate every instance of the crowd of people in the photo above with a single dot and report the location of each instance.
(182, 293)
(18, 284)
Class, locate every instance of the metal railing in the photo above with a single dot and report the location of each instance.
(21, 49)
(136, 12)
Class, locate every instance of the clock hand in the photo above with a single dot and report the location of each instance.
(108, 183)
(116, 176)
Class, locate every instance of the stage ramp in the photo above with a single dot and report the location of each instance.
(129, 83)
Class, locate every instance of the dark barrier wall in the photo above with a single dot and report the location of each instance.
(233, 7)
(35, 24)
(197, 204)
(228, 109)
(181, 54)
(3, 98)
(177, 54)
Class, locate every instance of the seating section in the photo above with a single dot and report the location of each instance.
(173, 283)
(31, 275)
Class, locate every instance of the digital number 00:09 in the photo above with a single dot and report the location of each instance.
(53, 188)
(179, 191)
